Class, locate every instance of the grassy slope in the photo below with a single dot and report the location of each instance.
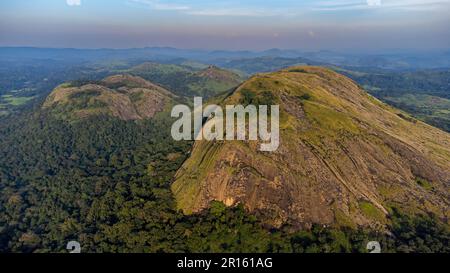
(431, 109)
(123, 96)
(337, 141)
(424, 94)
(188, 81)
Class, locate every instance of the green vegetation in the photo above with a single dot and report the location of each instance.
(260, 98)
(421, 234)
(305, 96)
(431, 109)
(264, 64)
(371, 211)
(31, 80)
(247, 96)
(123, 96)
(105, 182)
(16, 101)
(186, 80)
(298, 70)
(424, 183)
(350, 138)
(423, 94)
(85, 181)
(208, 87)
(79, 83)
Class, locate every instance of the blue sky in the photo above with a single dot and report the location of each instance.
(230, 24)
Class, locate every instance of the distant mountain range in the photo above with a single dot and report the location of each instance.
(392, 59)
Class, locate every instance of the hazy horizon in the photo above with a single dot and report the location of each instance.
(227, 25)
(262, 50)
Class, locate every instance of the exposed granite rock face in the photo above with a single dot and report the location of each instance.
(122, 96)
(345, 158)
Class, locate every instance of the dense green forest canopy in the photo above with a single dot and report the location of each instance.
(106, 183)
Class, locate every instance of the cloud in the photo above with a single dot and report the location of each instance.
(229, 12)
(368, 4)
(374, 2)
(215, 9)
(158, 5)
(238, 9)
(73, 2)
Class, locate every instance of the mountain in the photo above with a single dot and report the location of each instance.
(187, 81)
(124, 96)
(217, 74)
(344, 159)
(264, 64)
(392, 59)
(93, 164)
(104, 178)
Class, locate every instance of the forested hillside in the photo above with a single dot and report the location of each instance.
(105, 182)
(187, 81)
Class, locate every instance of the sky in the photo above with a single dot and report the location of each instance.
(227, 24)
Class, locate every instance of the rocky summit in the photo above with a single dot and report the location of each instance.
(345, 158)
(123, 96)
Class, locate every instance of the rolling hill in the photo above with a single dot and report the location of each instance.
(123, 96)
(345, 158)
(187, 81)
(260, 64)
(95, 163)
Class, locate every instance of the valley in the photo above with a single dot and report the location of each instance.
(94, 161)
